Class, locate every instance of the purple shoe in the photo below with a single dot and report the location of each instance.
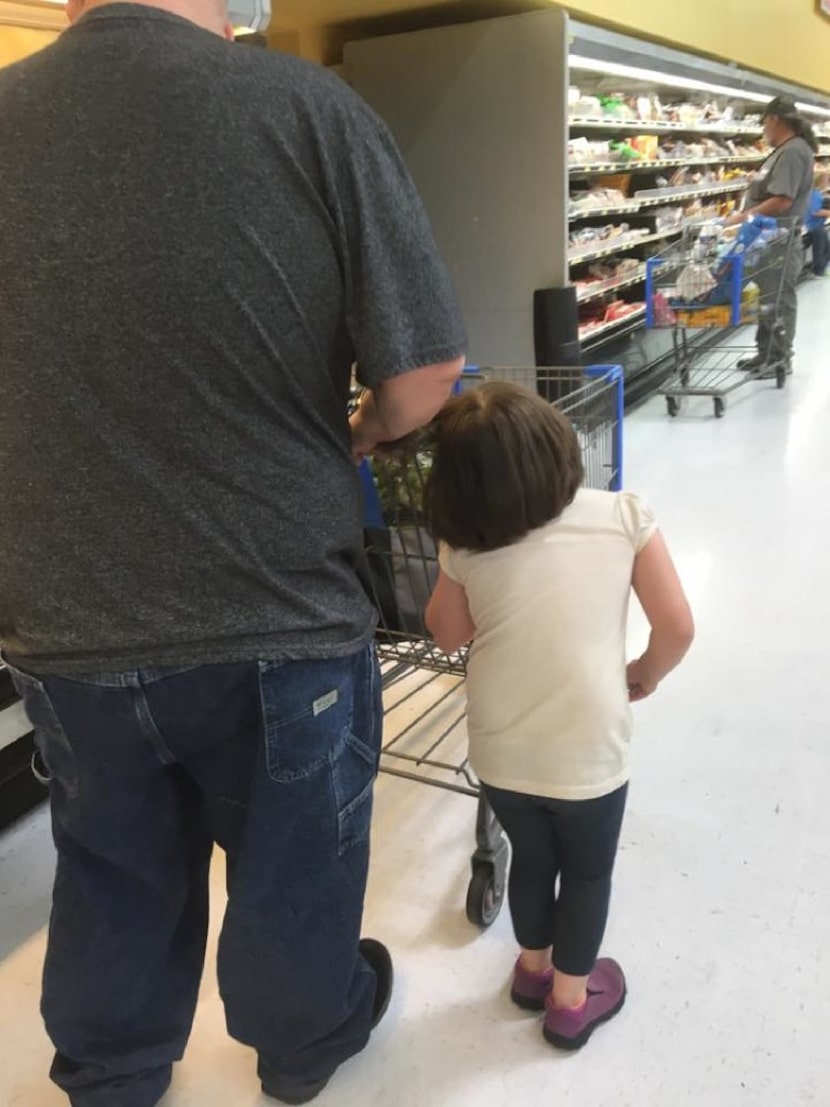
(606, 995)
(530, 989)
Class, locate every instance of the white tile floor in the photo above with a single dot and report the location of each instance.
(723, 888)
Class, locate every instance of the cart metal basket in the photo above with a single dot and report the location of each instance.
(424, 701)
(733, 288)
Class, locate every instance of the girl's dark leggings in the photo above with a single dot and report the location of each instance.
(574, 843)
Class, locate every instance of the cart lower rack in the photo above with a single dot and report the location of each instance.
(424, 701)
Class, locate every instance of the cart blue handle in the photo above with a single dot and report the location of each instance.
(372, 510)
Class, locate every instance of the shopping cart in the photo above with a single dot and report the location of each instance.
(424, 702)
(731, 285)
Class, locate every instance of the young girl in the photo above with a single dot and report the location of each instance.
(537, 572)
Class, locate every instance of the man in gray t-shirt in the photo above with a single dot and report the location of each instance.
(781, 189)
(198, 242)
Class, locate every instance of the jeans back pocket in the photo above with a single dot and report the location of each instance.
(321, 719)
(307, 709)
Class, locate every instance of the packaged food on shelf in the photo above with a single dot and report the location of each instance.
(597, 198)
(585, 107)
(617, 107)
(624, 151)
(650, 108)
(585, 239)
(619, 181)
(598, 316)
(587, 236)
(645, 109)
(606, 269)
(647, 146)
(700, 210)
(665, 218)
(582, 151)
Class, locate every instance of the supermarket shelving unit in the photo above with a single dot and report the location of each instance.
(481, 112)
(640, 212)
(740, 127)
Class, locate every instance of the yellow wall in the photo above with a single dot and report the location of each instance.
(17, 42)
(787, 38)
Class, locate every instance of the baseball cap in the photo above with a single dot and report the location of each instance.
(782, 107)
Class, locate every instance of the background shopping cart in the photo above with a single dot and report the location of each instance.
(728, 288)
(424, 702)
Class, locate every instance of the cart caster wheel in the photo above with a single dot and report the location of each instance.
(672, 406)
(720, 408)
(484, 896)
(781, 377)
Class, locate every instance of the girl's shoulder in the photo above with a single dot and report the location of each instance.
(593, 512)
(622, 511)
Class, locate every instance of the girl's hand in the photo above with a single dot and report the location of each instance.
(641, 684)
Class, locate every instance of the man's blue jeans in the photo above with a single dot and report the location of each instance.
(275, 763)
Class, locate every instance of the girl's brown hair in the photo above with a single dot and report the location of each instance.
(506, 462)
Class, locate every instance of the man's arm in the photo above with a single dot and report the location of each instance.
(402, 404)
(407, 334)
(775, 207)
(783, 185)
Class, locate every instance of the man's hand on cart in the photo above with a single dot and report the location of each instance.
(396, 407)
(775, 207)
(363, 446)
(363, 435)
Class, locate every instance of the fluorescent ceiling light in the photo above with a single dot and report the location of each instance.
(616, 70)
(813, 110)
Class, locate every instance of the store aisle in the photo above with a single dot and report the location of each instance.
(723, 886)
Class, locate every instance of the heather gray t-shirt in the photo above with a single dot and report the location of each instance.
(788, 171)
(197, 240)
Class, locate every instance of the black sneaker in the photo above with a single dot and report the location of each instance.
(749, 364)
(765, 372)
(770, 372)
(379, 960)
(271, 1089)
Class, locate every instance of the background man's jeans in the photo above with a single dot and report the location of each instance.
(778, 283)
(276, 764)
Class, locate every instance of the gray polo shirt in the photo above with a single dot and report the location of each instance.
(788, 171)
(197, 241)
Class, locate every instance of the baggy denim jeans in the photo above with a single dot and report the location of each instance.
(275, 763)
